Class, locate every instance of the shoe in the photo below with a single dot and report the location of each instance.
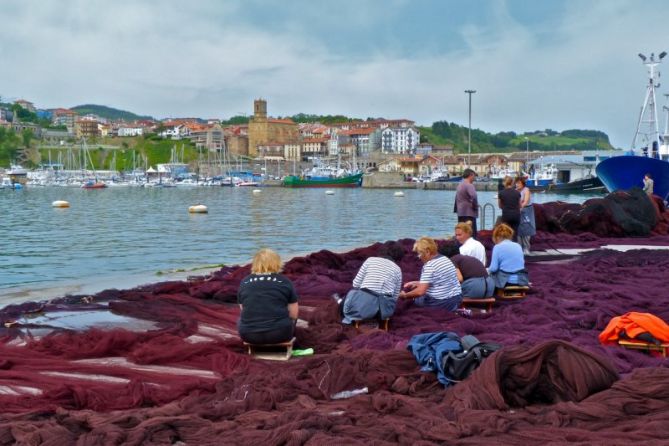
(336, 298)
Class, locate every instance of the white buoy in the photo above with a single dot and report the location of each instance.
(399, 194)
(60, 204)
(198, 209)
(329, 192)
(256, 191)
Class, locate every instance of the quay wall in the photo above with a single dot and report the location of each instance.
(395, 180)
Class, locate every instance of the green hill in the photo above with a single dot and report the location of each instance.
(443, 132)
(107, 112)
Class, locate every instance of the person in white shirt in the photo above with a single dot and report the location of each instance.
(469, 246)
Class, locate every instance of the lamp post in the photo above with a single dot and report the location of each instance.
(527, 154)
(469, 143)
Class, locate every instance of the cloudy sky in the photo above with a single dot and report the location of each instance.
(534, 64)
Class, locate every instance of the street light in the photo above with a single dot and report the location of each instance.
(527, 151)
(469, 143)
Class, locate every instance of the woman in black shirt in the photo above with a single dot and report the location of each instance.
(509, 201)
(268, 302)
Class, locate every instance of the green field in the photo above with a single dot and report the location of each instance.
(155, 152)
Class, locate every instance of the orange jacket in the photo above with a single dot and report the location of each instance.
(634, 324)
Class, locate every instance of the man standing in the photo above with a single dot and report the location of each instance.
(648, 184)
(466, 202)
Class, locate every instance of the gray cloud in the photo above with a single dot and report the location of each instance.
(202, 59)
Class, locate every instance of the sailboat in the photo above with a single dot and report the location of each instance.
(90, 183)
(627, 171)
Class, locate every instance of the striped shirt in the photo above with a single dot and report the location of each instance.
(440, 274)
(380, 275)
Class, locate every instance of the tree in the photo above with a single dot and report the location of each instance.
(27, 136)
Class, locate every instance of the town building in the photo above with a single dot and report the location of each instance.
(86, 128)
(401, 140)
(208, 137)
(365, 139)
(264, 130)
(64, 116)
(314, 148)
(274, 151)
(130, 131)
(237, 140)
(292, 151)
(26, 104)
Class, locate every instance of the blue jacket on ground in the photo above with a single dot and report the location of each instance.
(429, 349)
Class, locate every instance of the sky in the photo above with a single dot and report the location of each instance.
(534, 64)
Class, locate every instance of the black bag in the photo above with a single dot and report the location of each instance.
(459, 365)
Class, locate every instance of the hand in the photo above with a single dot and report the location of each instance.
(410, 286)
(403, 295)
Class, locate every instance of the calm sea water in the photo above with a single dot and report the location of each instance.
(121, 237)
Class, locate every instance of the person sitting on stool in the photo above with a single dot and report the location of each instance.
(439, 284)
(507, 265)
(268, 302)
(376, 287)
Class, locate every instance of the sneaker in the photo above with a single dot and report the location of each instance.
(336, 298)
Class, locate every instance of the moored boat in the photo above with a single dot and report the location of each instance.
(91, 184)
(627, 171)
(353, 180)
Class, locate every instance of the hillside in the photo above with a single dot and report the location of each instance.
(443, 132)
(107, 112)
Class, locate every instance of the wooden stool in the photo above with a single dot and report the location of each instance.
(275, 352)
(488, 302)
(382, 324)
(634, 344)
(512, 292)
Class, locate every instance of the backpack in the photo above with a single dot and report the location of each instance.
(459, 365)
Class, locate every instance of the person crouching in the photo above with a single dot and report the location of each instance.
(475, 281)
(376, 287)
(268, 302)
(439, 284)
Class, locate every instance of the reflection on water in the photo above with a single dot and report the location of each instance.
(81, 320)
(110, 234)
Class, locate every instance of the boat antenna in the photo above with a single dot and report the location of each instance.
(647, 128)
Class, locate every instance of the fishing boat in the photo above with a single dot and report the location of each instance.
(652, 154)
(567, 173)
(354, 180)
(324, 176)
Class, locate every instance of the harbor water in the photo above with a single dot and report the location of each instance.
(123, 237)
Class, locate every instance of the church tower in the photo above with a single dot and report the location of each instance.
(260, 110)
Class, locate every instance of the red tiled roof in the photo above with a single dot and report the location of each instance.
(320, 140)
(64, 111)
(359, 131)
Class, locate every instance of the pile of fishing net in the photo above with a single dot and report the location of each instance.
(176, 372)
(620, 214)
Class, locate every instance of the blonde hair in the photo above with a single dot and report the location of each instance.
(465, 226)
(502, 232)
(508, 181)
(425, 245)
(266, 261)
